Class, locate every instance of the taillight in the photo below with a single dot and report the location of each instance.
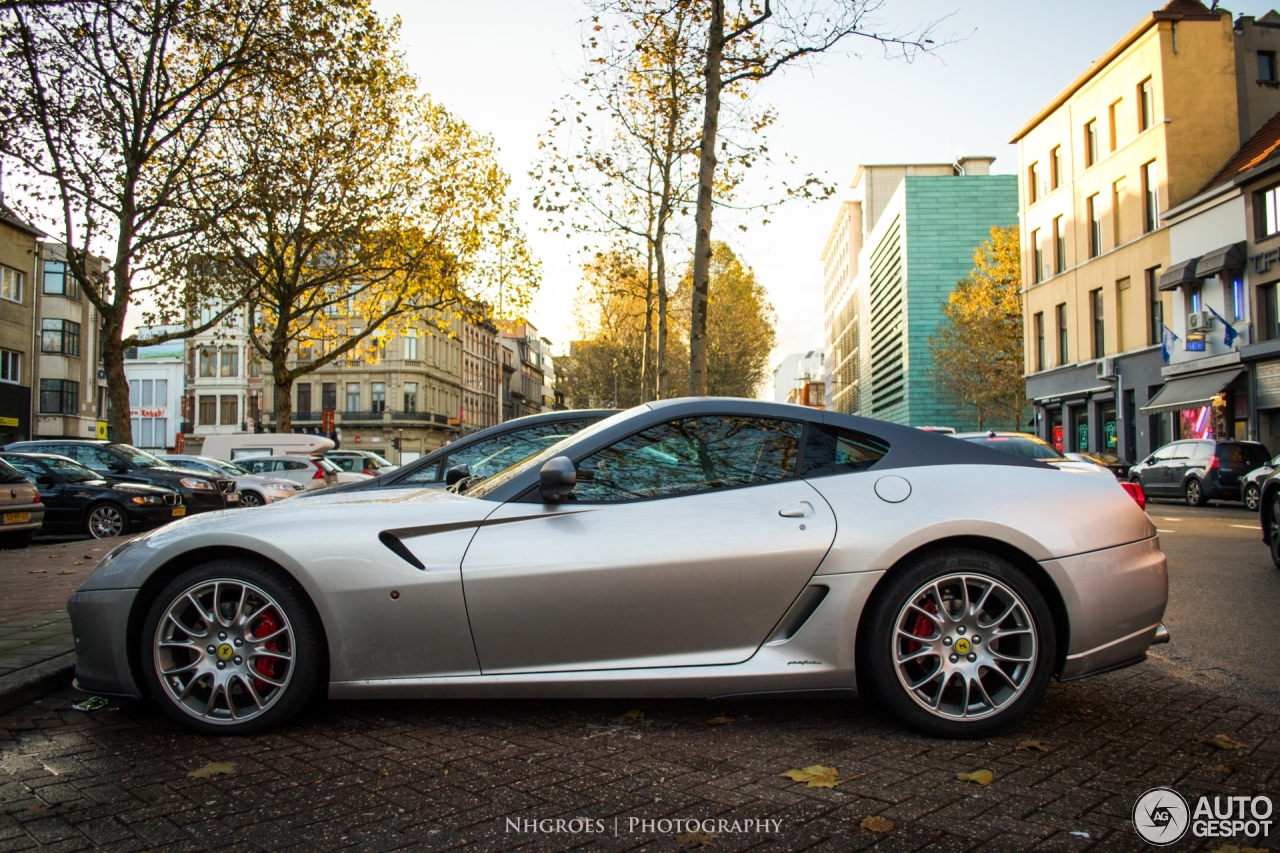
(1214, 462)
(35, 499)
(1135, 492)
(370, 472)
(319, 474)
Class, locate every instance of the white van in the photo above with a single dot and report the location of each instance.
(246, 445)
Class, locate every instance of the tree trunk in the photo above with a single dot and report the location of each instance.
(702, 216)
(660, 258)
(281, 376)
(646, 355)
(117, 384)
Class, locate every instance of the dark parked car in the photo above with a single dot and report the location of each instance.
(1114, 464)
(77, 500)
(1199, 470)
(123, 463)
(485, 452)
(1251, 484)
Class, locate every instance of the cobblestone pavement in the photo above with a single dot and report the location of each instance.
(38, 579)
(32, 639)
(366, 776)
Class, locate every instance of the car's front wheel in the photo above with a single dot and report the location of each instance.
(251, 499)
(960, 644)
(1252, 497)
(1273, 523)
(106, 521)
(229, 648)
(1194, 493)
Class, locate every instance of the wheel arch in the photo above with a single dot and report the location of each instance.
(1020, 559)
(1269, 493)
(176, 565)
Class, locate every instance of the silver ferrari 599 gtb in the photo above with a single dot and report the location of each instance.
(702, 547)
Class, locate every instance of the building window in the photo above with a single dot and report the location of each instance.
(208, 362)
(229, 409)
(304, 396)
(1265, 205)
(1146, 105)
(1061, 312)
(1033, 183)
(1235, 297)
(1113, 118)
(60, 336)
(1155, 331)
(230, 361)
(1037, 258)
(1095, 225)
(378, 397)
(411, 396)
(1091, 143)
(1055, 167)
(59, 396)
(10, 366)
(1040, 353)
(1095, 313)
(57, 282)
(411, 346)
(1150, 198)
(1193, 297)
(1117, 220)
(1266, 66)
(1059, 246)
(329, 395)
(255, 367)
(353, 396)
(1270, 312)
(10, 284)
(208, 410)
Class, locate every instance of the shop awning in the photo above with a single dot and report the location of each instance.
(1179, 274)
(1221, 260)
(1190, 392)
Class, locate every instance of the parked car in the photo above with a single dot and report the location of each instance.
(1110, 461)
(360, 462)
(21, 510)
(1030, 446)
(1199, 470)
(1251, 484)
(486, 452)
(254, 489)
(242, 445)
(310, 472)
(78, 500)
(838, 553)
(201, 492)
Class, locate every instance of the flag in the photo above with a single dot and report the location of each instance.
(1167, 339)
(1231, 334)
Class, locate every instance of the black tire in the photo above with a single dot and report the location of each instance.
(876, 656)
(1272, 518)
(1252, 497)
(1193, 493)
(310, 663)
(251, 499)
(104, 517)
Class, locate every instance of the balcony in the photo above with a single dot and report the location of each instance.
(363, 417)
(306, 416)
(411, 416)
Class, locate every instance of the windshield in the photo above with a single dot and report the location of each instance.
(140, 457)
(509, 473)
(226, 467)
(1019, 445)
(9, 474)
(73, 472)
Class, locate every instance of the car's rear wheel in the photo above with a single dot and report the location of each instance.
(961, 644)
(1194, 493)
(229, 649)
(1273, 522)
(1252, 497)
(106, 521)
(251, 499)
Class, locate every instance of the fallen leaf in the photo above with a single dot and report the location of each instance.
(875, 823)
(1220, 741)
(54, 556)
(982, 777)
(214, 768)
(68, 572)
(1077, 833)
(446, 771)
(814, 776)
(719, 721)
(630, 715)
(382, 772)
(1220, 768)
(697, 838)
(88, 556)
(1029, 745)
(93, 703)
(40, 571)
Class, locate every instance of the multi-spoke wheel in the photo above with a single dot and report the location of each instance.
(1252, 497)
(251, 499)
(106, 521)
(1194, 493)
(961, 644)
(229, 648)
(1272, 517)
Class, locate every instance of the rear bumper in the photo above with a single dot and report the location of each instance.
(1115, 599)
(99, 624)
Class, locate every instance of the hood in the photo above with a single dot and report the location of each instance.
(263, 480)
(142, 489)
(185, 472)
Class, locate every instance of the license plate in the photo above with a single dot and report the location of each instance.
(233, 498)
(180, 511)
(16, 517)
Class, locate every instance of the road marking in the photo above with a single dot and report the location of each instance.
(1170, 519)
(1158, 530)
(1246, 527)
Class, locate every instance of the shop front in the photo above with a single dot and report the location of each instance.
(15, 412)
(1206, 398)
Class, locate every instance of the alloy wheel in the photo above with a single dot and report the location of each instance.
(250, 499)
(1274, 522)
(964, 646)
(106, 522)
(224, 651)
(1252, 498)
(1193, 493)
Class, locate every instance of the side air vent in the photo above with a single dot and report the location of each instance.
(799, 613)
(400, 550)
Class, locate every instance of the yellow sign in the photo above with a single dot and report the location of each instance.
(12, 422)
(102, 430)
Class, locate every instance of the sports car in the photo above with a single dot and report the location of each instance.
(703, 547)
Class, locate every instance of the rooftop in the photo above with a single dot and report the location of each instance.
(1260, 147)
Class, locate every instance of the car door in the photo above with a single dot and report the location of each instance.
(682, 544)
(1188, 455)
(1155, 477)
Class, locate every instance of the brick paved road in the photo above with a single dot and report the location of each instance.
(38, 579)
(445, 775)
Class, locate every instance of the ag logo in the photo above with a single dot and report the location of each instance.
(1161, 816)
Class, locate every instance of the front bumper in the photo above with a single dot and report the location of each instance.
(147, 517)
(202, 501)
(100, 626)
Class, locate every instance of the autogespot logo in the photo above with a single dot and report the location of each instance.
(1161, 816)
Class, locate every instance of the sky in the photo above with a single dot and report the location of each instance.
(501, 65)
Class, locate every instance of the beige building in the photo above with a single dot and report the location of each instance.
(73, 386)
(1140, 131)
(19, 263)
(481, 375)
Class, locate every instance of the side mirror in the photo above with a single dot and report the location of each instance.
(557, 479)
(118, 468)
(456, 474)
(45, 480)
(1148, 460)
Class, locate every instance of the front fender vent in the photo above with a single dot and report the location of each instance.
(399, 549)
(799, 613)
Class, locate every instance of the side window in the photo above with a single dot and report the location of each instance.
(1182, 450)
(1165, 452)
(832, 450)
(488, 457)
(291, 465)
(425, 474)
(29, 468)
(691, 455)
(89, 457)
(255, 466)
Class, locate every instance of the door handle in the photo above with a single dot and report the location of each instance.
(799, 509)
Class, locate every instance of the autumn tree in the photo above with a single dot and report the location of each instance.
(107, 112)
(363, 208)
(977, 349)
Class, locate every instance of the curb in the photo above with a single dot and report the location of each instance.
(32, 682)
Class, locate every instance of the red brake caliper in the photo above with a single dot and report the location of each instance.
(921, 627)
(267, 666)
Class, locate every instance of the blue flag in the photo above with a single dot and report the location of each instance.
(1167, 339)
(1231, 334)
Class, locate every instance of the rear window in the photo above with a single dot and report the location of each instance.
(1019, 445)
(831, 450)
(1237, 454)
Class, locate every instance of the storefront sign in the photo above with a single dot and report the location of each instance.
(1195, 343)
(1263, 261)
(148, 413)
(8, 422)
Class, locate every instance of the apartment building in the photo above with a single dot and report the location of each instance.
(481, 376)
(896, 251)
(225, 387)
(72, 382)
(529, 372)
(19, 265)
(1140, 131)
(801, 375)
(156, 375)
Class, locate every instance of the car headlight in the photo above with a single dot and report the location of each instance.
(148, 500)
(198, 485)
